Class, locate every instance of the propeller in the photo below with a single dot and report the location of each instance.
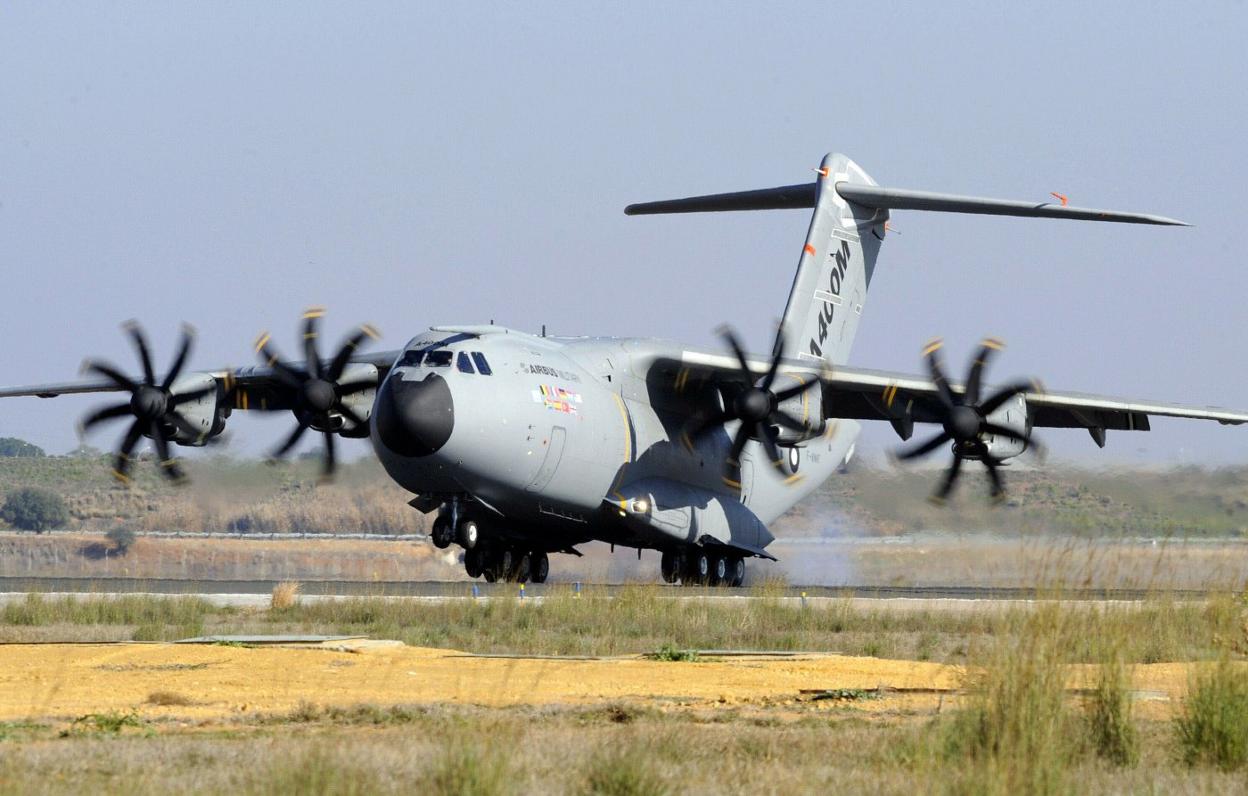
(152, 405)
(314, 390)
(964, 419)
(756, 407)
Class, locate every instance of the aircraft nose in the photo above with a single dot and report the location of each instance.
(414, 418)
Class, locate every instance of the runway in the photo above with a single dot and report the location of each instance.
(13, 587)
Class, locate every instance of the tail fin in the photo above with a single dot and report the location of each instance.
(848, 226)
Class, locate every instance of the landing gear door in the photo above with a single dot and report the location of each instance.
(550, 463)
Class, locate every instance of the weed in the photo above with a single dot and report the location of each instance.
(671, 653)
(109, 723)
(1213, 728)
(285, 596)
(623, 771)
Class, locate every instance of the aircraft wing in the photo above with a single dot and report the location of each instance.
(903, 398)
(257, 380)
(864, 394)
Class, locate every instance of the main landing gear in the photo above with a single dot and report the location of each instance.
(700, 566)
(494, 559)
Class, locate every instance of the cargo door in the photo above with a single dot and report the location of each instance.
(550, 463)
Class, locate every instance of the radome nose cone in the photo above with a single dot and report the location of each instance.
(414, 418)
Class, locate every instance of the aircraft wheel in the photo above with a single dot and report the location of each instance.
(490, 576)
(539, 566)
(736, 571)
(503, 563)
(719, 574)
(669, 566)
(469, 534)
(699, 571)
(472, 562)
(523, 569)
(441, 533)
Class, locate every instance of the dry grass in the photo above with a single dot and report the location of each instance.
(285, 596)
(169, 699)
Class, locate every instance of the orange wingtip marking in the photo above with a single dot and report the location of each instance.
(821, 171)
(809, 249)
(1060, 197)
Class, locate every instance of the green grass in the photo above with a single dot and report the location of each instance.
(643, 619)
(1213, 729)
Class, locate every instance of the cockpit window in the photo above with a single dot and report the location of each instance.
(483, 367)
(440, 358)
(411, 358)
(462, 363)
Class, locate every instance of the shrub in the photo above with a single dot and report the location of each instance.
(1213, 728)
(285, 595)
(1112, 731)
(122, 539)
(19, 448)
(33, 509)
(623, 772)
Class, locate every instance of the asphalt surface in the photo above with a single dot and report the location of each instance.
(450, 589)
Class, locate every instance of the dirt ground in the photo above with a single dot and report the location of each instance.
(217, 683)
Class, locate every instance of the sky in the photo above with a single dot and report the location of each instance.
(228, 164)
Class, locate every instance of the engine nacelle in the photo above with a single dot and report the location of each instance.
(204, 413)
(361, 402)
(1013, 415)
(807, 408)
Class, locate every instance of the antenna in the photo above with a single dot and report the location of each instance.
(543, 330)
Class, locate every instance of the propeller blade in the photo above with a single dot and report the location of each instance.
(167, 463)
(731, 338)
(767, 438)
(184, 350)
(951, 478)
(271, 359)
(348, 349)
(133, 329)
(788, 421)
(790, 392)
(290, 442)
(998, 489)
(192, 396)
(732, 465)
(926, 448)
(121, 462)
(105, 414)
(932, 353)
(1008, 433)
(330, 464)
(1004, 394)
(702, 426)
(777, 353)
(974, 380)
(111, 373)
(312, 360)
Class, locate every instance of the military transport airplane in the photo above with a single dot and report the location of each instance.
(526, 445)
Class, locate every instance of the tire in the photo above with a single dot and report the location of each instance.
(523, 569)
(699, 569)
(503, 564)
(440, 533)
(719, 572)
(539, 566)
(473, 563)
(736, 571)
(490, 576)
(469, 534)
(669, 566)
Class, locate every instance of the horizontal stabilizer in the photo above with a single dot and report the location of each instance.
(786, 197)
(900, 199)
(790, 197)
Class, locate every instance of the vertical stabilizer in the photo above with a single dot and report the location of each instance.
(835, 269)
